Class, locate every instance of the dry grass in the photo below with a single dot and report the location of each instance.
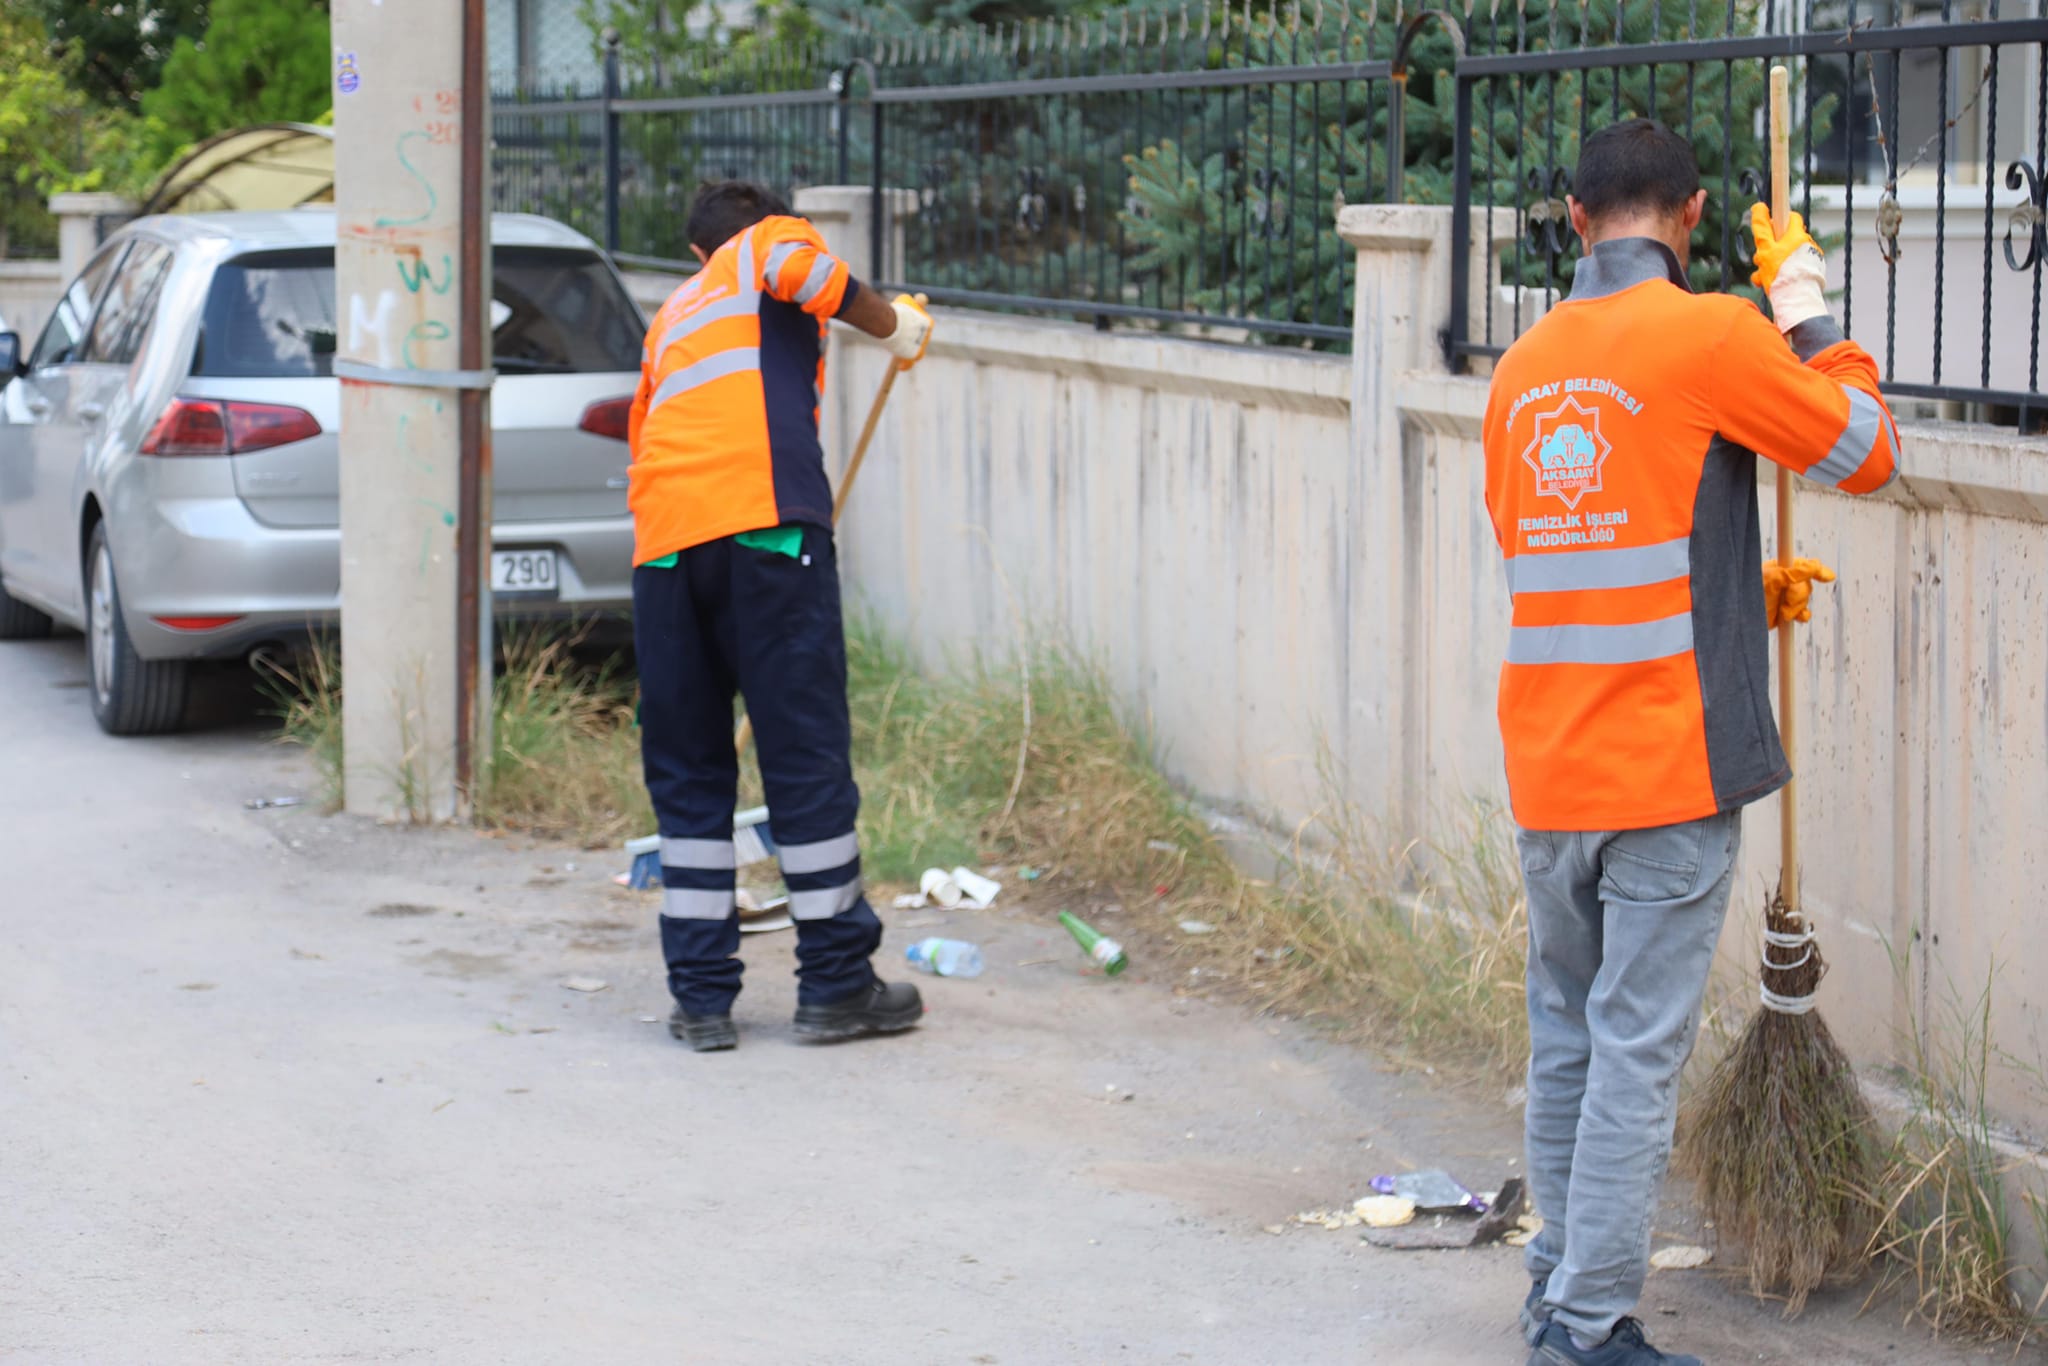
(1426, 948)
(565, 757)
(1943, 1227)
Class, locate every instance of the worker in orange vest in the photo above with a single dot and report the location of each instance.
(1634, 703)
(736, 588)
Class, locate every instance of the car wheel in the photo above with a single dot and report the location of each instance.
(19, 621)
(130, 695)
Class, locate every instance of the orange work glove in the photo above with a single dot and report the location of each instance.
(1789, 269)
(1789, 588)
(913, 330)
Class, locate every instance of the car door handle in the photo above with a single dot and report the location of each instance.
(91, 412)
(38, 407)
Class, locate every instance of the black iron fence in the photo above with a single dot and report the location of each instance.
(1181, 169)
(1918, 148)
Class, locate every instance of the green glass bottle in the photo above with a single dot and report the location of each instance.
(1100, 947)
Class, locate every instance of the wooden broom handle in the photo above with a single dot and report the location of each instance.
(745, 734)
(1788, 727)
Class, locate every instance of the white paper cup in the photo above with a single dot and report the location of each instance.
(940, 889)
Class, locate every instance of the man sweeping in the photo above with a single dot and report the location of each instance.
(736, 588)
(1634, 704)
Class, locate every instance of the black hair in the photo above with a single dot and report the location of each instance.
(724, 209)
(1636, 166)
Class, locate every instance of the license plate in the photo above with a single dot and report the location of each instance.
(524, 573)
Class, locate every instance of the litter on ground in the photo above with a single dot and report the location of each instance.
(585, 984)
(1432, 1191)
(1680, 1257)
(1385, 1211)
(961, 889)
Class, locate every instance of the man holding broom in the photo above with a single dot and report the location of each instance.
(1634, 704)
(736, 587)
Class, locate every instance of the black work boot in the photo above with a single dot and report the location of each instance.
(1554, 1347)
(879, 1008)
(1534, 1315)
(704, 1033)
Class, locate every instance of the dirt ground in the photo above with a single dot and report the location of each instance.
(287, 1087)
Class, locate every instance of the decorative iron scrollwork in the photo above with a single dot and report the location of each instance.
(1031, 204)
(1269, 210)
(1550, 221)
(2029, 219)
(1754, 190)
(931, 192)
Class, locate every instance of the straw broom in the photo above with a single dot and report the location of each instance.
(1778, 1139)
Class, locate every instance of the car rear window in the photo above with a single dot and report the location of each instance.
(554, 311)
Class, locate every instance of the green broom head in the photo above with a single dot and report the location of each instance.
(1779, 1139)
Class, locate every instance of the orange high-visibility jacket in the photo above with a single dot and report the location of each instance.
(724, 428)
(1623, 491)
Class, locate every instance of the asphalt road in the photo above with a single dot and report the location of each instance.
(283, 1087)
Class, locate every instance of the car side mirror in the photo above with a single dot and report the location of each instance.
(10, 356)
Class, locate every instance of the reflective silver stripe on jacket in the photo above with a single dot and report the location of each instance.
(820, 856)
(691, 903)
(778, 257)
(1576, 644)
(1859, 435)
(699, 373)
(825, 902)
(736, 307)
(1570, 571)
(814, 283)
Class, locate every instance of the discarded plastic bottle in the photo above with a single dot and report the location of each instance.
(1100, 947)
(944, 957)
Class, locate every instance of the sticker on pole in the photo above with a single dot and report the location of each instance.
(348, 77)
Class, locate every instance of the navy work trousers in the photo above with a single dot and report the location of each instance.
(732, 618)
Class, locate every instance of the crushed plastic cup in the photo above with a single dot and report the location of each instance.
(940, 889)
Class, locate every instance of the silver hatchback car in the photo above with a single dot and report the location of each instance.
(169, 479)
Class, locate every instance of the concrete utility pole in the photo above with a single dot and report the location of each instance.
(412, 288)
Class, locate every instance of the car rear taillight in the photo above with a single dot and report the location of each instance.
(202, 426)
(609, 417)
(196, 623)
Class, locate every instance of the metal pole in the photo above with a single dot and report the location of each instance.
(875, 206)
(411, 272)
(610, 136)
(473, 641)
(842, 86)
(1461, 227)
(1397, 134)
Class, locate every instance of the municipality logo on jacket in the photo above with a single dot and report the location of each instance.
(1567, 452)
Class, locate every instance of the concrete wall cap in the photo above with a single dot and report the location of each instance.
(94, 203)
(846, 201)
(1394, 227)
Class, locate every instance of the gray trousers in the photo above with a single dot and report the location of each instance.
(1622, 928)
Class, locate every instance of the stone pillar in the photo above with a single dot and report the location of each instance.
(79, 218)
(1401, 312)
(842, 216)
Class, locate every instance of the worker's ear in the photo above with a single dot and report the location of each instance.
(1695, 210)
(702, 259)
(1582, 223)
